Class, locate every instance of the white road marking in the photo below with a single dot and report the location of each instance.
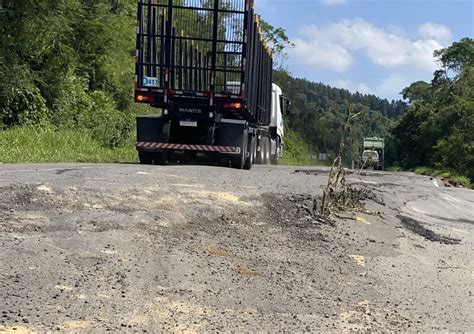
(169, 175)
(451, 198)
(362, 181)
(436, 183)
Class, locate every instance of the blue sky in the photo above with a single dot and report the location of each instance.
(372, 46)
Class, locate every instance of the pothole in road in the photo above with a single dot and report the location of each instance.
(310, 172)
(294, 209)
(418, 228)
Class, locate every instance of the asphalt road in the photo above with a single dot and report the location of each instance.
(183, 249)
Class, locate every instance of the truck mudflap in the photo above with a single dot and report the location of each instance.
(141, 145)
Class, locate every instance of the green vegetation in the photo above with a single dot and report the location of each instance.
(319, 111)
(47, 144)
(448, 176)
(437, 131)
(278, 41)
(66, 93)
(296, 150)
(67, 65)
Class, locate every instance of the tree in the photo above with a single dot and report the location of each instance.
(318, 111)
(68, 63)
(457, 57)
(278, 42)
(418, 91)
(34, 56)
(438, 129)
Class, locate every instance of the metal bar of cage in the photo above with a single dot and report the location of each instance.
(213, 48)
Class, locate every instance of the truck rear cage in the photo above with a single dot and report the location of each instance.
(205, 48)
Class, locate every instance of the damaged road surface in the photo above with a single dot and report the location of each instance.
(91, 248)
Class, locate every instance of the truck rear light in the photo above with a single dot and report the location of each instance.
(233, 105)
(144, 98)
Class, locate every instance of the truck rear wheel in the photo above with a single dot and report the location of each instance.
(266, 151)
(274, 158)
(238, 162)
(160, 158)
(146, 158)
(223, 162)
(259, 157)
(251, 149)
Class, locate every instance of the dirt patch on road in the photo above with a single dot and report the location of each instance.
(33, 197)
(418, 228)
(310, 172)
(15, 330)
(295, 209)
(367, 318)
(204, 257)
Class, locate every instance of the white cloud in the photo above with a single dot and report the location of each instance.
(389, 86)
(435, 31)
(392, 85)
(333, 2)
(321, 53)
(332, 46)
(352, 86)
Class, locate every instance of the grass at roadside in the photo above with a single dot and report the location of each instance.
(290, 161)
(33, 144)
(449, 176)
(297, 151)
(453, 178)
(49, 145)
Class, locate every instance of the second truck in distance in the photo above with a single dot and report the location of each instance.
(373, 153)
(206, 66)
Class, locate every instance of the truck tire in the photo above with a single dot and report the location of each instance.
(261, 154)
(251, 147)
(223, 162)
(255, 150)
(146, 158)
(184, 158)
(160, 158)
(274, 158)
(266, 151)
(238, 162)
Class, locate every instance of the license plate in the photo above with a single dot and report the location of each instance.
(150, 82)
(192, 124)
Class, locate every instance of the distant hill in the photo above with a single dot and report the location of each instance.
(318, 112)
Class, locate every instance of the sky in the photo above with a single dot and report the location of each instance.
(372, 46)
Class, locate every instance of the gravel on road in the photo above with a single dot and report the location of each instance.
(185, 249)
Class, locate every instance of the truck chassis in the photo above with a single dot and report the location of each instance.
(230, 142)
(205, 65)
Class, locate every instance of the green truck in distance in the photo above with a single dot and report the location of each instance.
(373, 153)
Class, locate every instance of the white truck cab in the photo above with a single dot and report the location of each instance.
(277, 110)
(280, 109)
